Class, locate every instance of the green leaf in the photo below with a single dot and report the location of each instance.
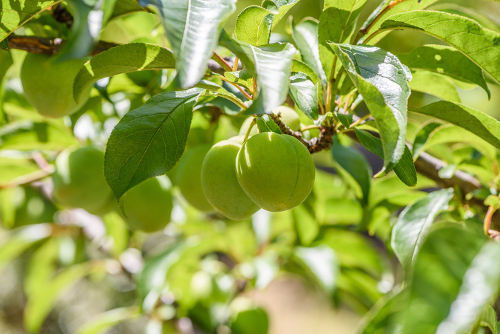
(122, 59)
(12, 168)
(152, 278)
(305, 35)
(213, 89)
(271, 65)
(453, 275)
(414, 224)
(193, 28)
(43, 299)
(87, 22)
(479, 44)
(422, 136)
(489, 319)
(351, 162)
(253, 26)
(405, 168)
(382, 81)
(336, 24)
(29, 135)
(242, 78)
(14, 14)
(252, 321)
(385, 12)
(124, 7)
(322, 262)
(266, 124)
(480, 124)
(434, 84)
(305, 95)
(381, 318)
(445, 60)
(149, 140)
(20, 240)
(107, 320)
(305, 223)
(299, 66)
(281, 7)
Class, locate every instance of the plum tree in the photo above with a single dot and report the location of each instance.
(275, 171)
(188, 177)
(219, 182)
(148, 205)
(79, 180)
(48, 84)
(288, 116)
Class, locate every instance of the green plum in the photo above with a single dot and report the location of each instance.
(275, 171)
(220, 185)
(188, 177)
(148, 205)
(79, 180)
(48, 85)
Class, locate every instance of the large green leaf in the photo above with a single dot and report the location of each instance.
(383, 82)
(414, 223)
(449, 261)
(108, 320)
(353, 166)
(253, 25)
(322, 262)
(280, 7)
(305, 95)
(29, 135)
(305, 35)
(405, 168)
(480, 124)
(434, 84)
(479, 44)
(122, 59)
(445, 60)
(271, 65)
(336, 25)
(193, 28)
(43, 299)
(149, 140)
(480, 284)
(251, 321)
(14, 14)
(20, 240)
(124, 7)
(388, 8)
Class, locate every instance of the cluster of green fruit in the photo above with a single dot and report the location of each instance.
(79, 183)
(270, 171)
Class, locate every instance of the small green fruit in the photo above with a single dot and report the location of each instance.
(79, 180)
(48, 85)
(189, 177)
(289, 117)
(275, 171)
(148, 205)
(220, 185)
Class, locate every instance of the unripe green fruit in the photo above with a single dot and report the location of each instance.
(148, 205)
(48, 85)
(275, 171)
(189, 177)
(32, 207)
(79, 180)
(220, 185)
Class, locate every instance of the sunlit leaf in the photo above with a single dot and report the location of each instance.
(322, 263)
(281, 7)
(305, 95)
(383, 82)
(434, 84)
(149, 140)
(105, 321)
(414, 223)
(193, 28)
(122, 59)
(253, 25)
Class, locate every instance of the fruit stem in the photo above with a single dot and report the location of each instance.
(250, 129)
(235, 65)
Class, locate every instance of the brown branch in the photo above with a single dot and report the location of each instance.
(323, 142)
